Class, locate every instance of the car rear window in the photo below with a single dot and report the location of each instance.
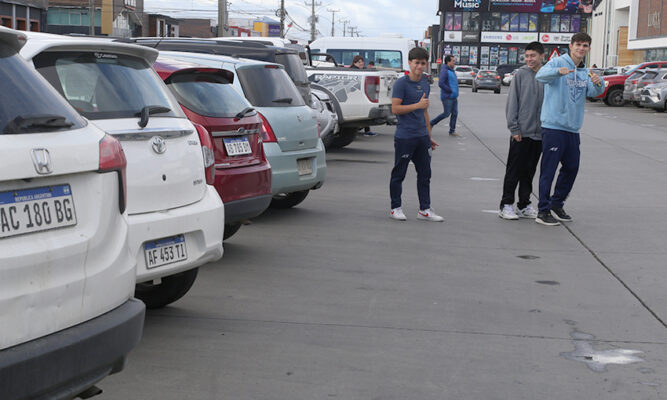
(105, 85)
(207, 94)
(488, 74)
(636, 75)
(293, 66)
(29, 103)
(269, 86)
(649, 75)
(464, 69)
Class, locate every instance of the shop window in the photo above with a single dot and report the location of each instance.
(20, 24)
(565, 23)
(34, 25)
(491, 22)
(514, 22)
(523, 22)
(505, 22)
(532, 22)
(555, 23)
(6, 21)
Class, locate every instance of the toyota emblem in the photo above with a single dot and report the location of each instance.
(159, 144)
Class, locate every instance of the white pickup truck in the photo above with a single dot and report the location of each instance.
(363, 97)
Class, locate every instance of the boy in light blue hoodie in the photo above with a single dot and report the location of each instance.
(567, 83)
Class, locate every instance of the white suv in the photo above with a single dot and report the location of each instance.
(176, 218)
(67, 316)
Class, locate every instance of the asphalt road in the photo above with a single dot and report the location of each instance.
(333, 300)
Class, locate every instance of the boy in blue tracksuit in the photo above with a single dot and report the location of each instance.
(449, 93)
(566, 85)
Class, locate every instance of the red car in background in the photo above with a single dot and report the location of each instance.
(242, 172)
(613, 92)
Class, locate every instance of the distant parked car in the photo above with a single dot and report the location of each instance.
(242, 172)
(503, 69)
(464, 74)
(67, 316)
(630, 86)
(486, 80)
(614, 84)
(327, 118)
(650, 77)
(289, 130)
(655, 96)
(507, 79)
(176, 218)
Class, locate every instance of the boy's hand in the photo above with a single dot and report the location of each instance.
(423, 103)
(595, 78)
(433, 144)
(517, 137)
(564, 70)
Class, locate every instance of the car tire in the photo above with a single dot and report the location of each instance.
(637, 104)
(172, 288)
(327, 140)
(496, 91)
(344, 137)
(230, 230)
(474, 89)
(615, 97)
(288, 200)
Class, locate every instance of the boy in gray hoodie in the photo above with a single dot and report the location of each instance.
(523, 109)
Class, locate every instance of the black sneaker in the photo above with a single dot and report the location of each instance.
(545, 218)
(561, 215)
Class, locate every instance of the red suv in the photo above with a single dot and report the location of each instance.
(613, 92)
(242, 173)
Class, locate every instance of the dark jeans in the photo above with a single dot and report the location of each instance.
(558, 147)
(522, 162)
(417, 150)
(451, 107)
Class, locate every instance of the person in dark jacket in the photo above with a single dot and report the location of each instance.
(449, 93)
(524, 105)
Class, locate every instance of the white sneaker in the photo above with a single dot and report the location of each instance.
(429, 215)
(508, 212)
(528, 212)
(397, 214)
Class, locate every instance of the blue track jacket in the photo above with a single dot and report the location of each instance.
(449, 84)
(565, 95)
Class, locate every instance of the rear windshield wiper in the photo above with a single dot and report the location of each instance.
(147, 111)
(287, 100)
(243, 112)
(36, 123)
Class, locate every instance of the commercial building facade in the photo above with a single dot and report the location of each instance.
(487, 33)
(23, 15)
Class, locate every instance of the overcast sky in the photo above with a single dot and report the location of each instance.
(371, 17)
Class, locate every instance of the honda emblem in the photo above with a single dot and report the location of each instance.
(41, 159)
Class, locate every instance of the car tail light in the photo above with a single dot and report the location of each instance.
(266, 132)
(207, 153)
(372, 88)
(479, 76)
(497, 76)
(472, 73)
(406, 72)
(633, 82)
(112, 158)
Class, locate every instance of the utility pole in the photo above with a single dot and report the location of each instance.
(92, 17)
(352, 31)
(313, 19)
(333, 19)
(222, 17)
(282, 19)
(345, 22)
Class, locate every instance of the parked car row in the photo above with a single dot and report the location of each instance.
(123, 169)
(613, 94)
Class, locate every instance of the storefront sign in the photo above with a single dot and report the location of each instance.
(509, 37)
(453, 36)
(463, 5)
(516, 5)
(470, 37)
(556, 38)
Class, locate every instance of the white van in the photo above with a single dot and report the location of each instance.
(386, 52)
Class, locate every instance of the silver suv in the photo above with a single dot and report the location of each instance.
(464, 74)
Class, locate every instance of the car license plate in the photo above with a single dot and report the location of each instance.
(165, 251)
(37, 209)
(305, 166)
(237, 146)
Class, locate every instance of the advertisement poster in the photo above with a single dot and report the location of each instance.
(564, 23)
(567, 6)
(516, 5)
(449, 21)
(522, 55)
(502, 55)
(575, 23)
(456, 52)
(447, 49)
(484, 56)
(464, 55)
(473, 55)
(532, 22)
(493, 55)
(523, 23)
(555, 23)
(505, 22)
(512, 55)
(457, 21)
(514, 22)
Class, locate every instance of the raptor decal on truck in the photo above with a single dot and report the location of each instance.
(339, 85)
